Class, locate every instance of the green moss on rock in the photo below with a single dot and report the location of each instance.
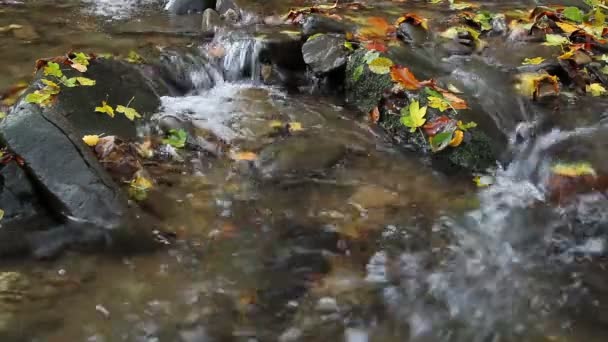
(364, 88)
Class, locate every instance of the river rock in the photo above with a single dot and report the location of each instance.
(189, 6)
(68, 179)
(211, 21)
(223, 6)
(325, 53)
(299, 155)
(18, 197)
(315, 24)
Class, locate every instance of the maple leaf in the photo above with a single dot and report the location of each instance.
(53, 69)
(413, 116)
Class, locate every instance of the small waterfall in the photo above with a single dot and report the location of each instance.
(495, 281)
(241, 59)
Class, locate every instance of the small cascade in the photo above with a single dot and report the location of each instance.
(495, 280)
(241, 58)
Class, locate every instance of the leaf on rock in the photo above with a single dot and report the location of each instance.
(87, 82)
(79, 67)
(566, 27)
(380, 66)
(595, 89)
(466, 126)
(135, 58)
(573, 13)
(413, 19)
(91, 140)
(555, 40)
(1, 214)
(441, 141)
(357, 73)
(129, 112)
(53, 69)
(176, 138)
(457, 138)
(573, 169)
(81, 58)
(105, 108)
(413, 116)
(438, 103)
(405, 78)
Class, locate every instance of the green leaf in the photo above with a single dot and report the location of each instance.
(135, 58)
(105, 108)
(380, 66)
(87, 82)
(413, 116)
(38, 97)
(348, 46)
(51, 87)
(555, 40)
(573, 13)
(315, 36)
(357, 73)
(1, 214)
(466, 126)
(53, 69)
(2, 115)
(176, 138)
(69, 82)
(441, 141)
(81, 58)
(130, 113)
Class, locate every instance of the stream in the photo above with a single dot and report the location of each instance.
(380, 246)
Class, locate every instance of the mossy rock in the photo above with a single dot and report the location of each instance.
(364, 88)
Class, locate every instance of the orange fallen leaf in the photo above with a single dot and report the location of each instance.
(413, 19)
(250, 156)
(376, 46)
(405, 77)
(374, 115)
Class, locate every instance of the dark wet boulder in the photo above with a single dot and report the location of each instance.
(81, 202)
(18, 197)
(325, 53)
(315, 24)
(189, 6)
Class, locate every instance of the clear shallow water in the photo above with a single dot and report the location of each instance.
(376, 248)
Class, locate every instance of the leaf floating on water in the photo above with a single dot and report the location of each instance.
(595, 89)
(176, 138)
(105, 108)
(91, 140)
(380, 66)
(533, 61)
(295, 126)
(53, 69)
(130, 113)
(249, 156)
(573, 169)
(413, 116)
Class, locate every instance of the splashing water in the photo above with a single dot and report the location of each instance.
(118, 9)
(494, 281)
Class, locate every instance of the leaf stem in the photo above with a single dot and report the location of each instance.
(131, 100)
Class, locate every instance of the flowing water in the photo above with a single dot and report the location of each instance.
(378, 247)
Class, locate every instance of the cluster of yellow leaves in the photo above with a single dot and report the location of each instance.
(129, 113)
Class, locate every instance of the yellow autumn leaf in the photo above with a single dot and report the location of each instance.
(1, 214)
(567, 28)
(380, 65)
(573, 169)
(533, 61)
(138, 187)
(105, 108)
(295, 126)
(91, 140)
(595, 89)
(275, 124)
